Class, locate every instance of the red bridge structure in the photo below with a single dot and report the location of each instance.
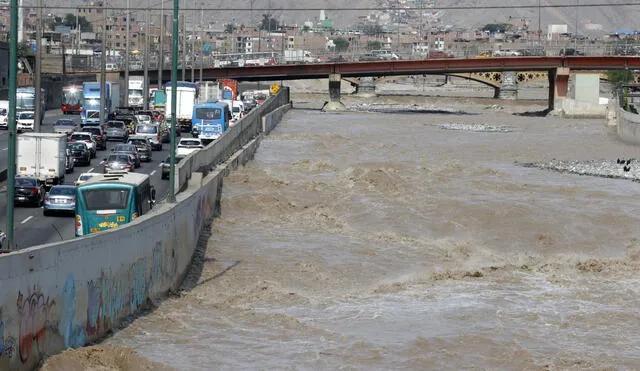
(558, 70)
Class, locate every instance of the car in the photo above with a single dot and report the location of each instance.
(65, 126)
(570, 51)
(249, 104)
(117, 130)
(4, 118)
(98, 135)
(85, 137)
(144, 146)
(153, 133)
(84, 177)
(439, 54)
(60, 198)
(165, 166)
(28, 191)
(165, 132)
(157, 116)
(128, 148)
(80, 153)
(25, 121)
(143, 119)
(188, 145)
(117, 162)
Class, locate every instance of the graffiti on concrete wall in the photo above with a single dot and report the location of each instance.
(33, 312)
(8, 344)
(72, 334)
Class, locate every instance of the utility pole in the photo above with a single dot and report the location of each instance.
(193, 40)
(13, 80)
(20, 21)
(161, 51)
(539, 23)
(38, 83)
(184, 49)
(145, 85)
(174, 97)
(103, 66)
(126, 56)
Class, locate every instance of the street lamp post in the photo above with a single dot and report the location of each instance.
(161, 51)
(38, 73)
(13, 79)
(174, 97)
(145, 84)
(127, 51)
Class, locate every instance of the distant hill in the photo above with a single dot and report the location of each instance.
(611, 17)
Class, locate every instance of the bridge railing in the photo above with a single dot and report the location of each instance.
(232, 140)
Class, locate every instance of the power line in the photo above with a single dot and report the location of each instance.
(466, 7)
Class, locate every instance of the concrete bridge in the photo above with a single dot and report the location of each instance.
(503, 73)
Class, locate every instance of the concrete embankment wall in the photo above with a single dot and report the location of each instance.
(75, 292)
(628, 125)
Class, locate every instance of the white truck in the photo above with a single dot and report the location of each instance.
(298, 56)
(136, 91)
(42, 156)
(209, 90)
(186, 98)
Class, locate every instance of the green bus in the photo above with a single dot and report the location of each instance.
(109, 200)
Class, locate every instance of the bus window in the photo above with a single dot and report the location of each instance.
(106, 199)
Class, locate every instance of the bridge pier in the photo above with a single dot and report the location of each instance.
(334, 103)
(366, 87)
(558, 87)
(509, 86)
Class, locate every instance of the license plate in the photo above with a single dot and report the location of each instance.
(22, 198)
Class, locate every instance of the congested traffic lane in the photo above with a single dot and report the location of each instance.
(32, 228)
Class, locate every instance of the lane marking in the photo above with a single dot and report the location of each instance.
(4, 149)
(101, 162)
(151, 173)
(90, 170)
(27, 219)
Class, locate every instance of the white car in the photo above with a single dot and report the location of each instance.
(25, 121)
(188, 145)
(84, 136)
(143, 119)
(84, 177)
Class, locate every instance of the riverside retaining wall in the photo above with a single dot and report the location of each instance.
(72, 293)
(628, 125)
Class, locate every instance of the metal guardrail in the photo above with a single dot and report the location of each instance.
(232, 140)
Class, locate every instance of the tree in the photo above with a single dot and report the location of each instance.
(51, 23)
(70, 21)
(374, 45)
(268, 23)
(372, 30)
(496, 27)
(341, 44)
(306, 28)
(620, 76)
(230, 28)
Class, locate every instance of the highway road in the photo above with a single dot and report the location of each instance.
(31, 228)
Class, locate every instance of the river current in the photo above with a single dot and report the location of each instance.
(364, 240)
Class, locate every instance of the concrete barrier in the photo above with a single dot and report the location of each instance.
(71, 293)
(270, 120)
(233, 139)
(628, 125)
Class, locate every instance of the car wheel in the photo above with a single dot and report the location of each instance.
(45, 212)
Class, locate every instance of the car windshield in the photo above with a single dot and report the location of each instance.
(190, 143)
(124, 148)
(118, 158)
(85, 177)
(26, 116)
(76, 146)
(138, 142)
(62, 191)
(81, 137)
(104, 199)
(25, 182)
(64, 123)
(147, 129)
(92, 130)
(115, 124)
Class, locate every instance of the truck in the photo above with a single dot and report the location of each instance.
(136, 91)
(91, 93)
(26, 101)
(298, 56)
(209, 90)
(158, 100)
(229, 88)
(42, 156)
(186, 98)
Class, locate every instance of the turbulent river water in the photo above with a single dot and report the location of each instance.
(383, 241)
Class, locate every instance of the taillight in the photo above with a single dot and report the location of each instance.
(78, 226)
(72, 200)
(47, 198)
(34, 191)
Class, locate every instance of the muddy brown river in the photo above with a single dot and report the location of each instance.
(404, 241)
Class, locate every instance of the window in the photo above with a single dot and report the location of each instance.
(62, 191)
(208, 113)
(106, 199)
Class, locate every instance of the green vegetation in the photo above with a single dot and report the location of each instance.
(620, 76)
(372, 30)
(497, 27)
(69, 20)
(269, 23)
(374, 45)
(341, 44)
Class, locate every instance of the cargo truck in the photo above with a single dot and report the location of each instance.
(185, 100)
(91, 109)
(42, 156)
(298, 56)
(209, 90)
(136, 91)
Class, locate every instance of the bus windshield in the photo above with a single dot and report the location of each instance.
(208, 113)
(72, 97)
(25, 101)
(106, 199)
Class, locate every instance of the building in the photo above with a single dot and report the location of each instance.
(4, 70)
